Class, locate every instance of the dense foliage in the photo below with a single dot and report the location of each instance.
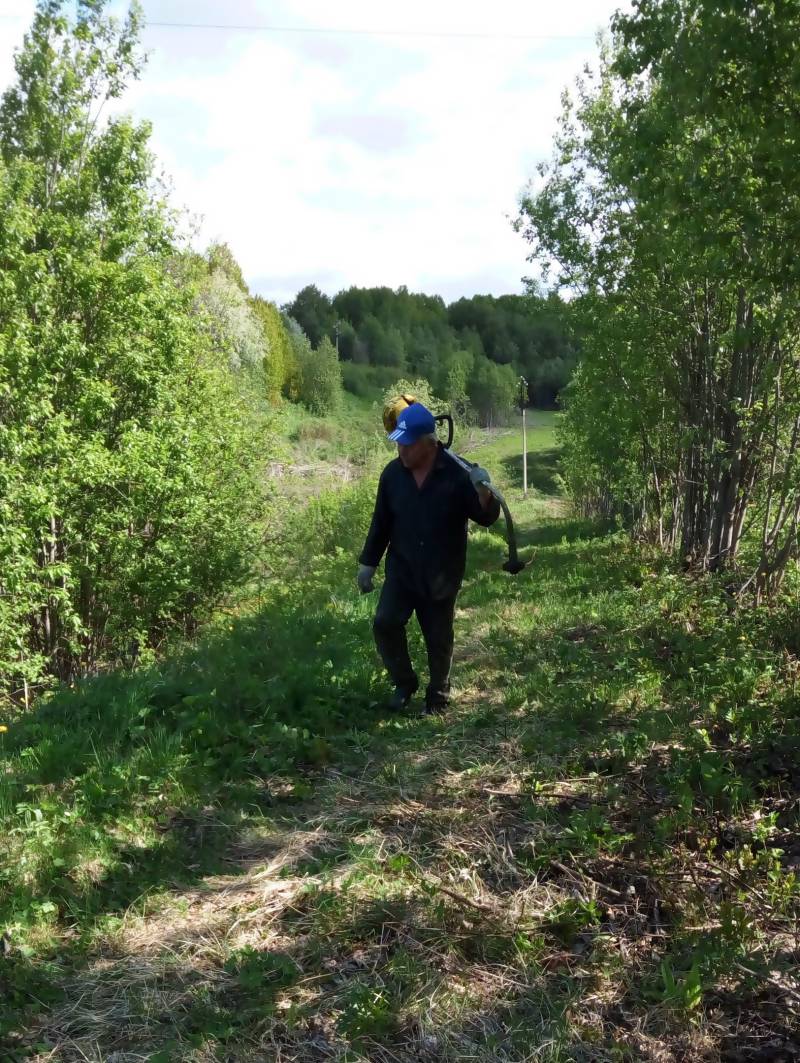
(278, 359)
(128, 491)
(319, 377)
(673, 205)
(473, 351)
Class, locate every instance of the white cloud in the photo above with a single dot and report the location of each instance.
(15, 17)
(361, 159)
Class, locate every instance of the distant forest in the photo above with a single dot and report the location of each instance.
(473, 351)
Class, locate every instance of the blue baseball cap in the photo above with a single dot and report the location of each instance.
(413, 423)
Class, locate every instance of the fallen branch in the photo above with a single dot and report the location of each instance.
(581, 876)
(770, 980)
(461, 899)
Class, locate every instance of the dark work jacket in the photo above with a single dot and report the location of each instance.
(425, 528)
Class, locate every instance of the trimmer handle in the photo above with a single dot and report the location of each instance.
(446, 418)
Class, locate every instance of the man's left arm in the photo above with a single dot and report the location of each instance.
(481, 504)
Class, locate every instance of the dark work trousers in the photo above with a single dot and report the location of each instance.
(397, 603)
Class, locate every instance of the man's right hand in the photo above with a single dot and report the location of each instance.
(365, 578)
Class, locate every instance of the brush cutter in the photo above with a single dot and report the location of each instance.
(390, 415)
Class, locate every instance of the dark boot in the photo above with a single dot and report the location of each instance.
(436, 621)
(401, 697)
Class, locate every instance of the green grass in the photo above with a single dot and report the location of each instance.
(340, 439)
(237, 855)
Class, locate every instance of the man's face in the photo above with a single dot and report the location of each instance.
(415, 455)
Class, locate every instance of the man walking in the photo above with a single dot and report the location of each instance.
(423, 504)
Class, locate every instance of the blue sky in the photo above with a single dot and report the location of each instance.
(342, 159)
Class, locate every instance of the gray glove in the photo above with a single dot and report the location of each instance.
(364, 578)
(479, 476)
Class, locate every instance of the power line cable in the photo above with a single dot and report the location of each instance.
(333, 31)
(349, 32)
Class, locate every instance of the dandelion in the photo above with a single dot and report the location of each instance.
(3, 728)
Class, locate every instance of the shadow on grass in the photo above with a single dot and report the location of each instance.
(566, 556)
(133, 784)
(543, 469)
(563, 531)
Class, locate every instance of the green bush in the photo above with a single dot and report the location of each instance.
(367, 381)
(419, 388)
(320, 377)
(95, 766)
(127, 474)
(278, 360)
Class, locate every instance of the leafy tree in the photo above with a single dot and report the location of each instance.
(455, 373)
(234, 327)
(278, 359)
(535, 333)
(367, 382)
(524, 331)
(347, 341)
(394, 348)
(420, 388)
(360, 351)
(423, 350)
(220, 259)
(470, 340)
(373, 336)
(128, 487)
(672, 206)
(492, 391)
(299, 349)
(314, 313)
(320, 385)
(222, 302)
(353, 305)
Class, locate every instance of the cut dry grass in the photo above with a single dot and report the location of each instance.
(406, 897)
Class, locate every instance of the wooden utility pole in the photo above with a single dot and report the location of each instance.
(523, 402)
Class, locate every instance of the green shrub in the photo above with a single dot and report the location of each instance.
(128, 491)
(419, 388)
(367, 381)
(320, 378)
(278, 359)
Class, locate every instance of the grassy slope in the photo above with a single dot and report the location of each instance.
(591, 857)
